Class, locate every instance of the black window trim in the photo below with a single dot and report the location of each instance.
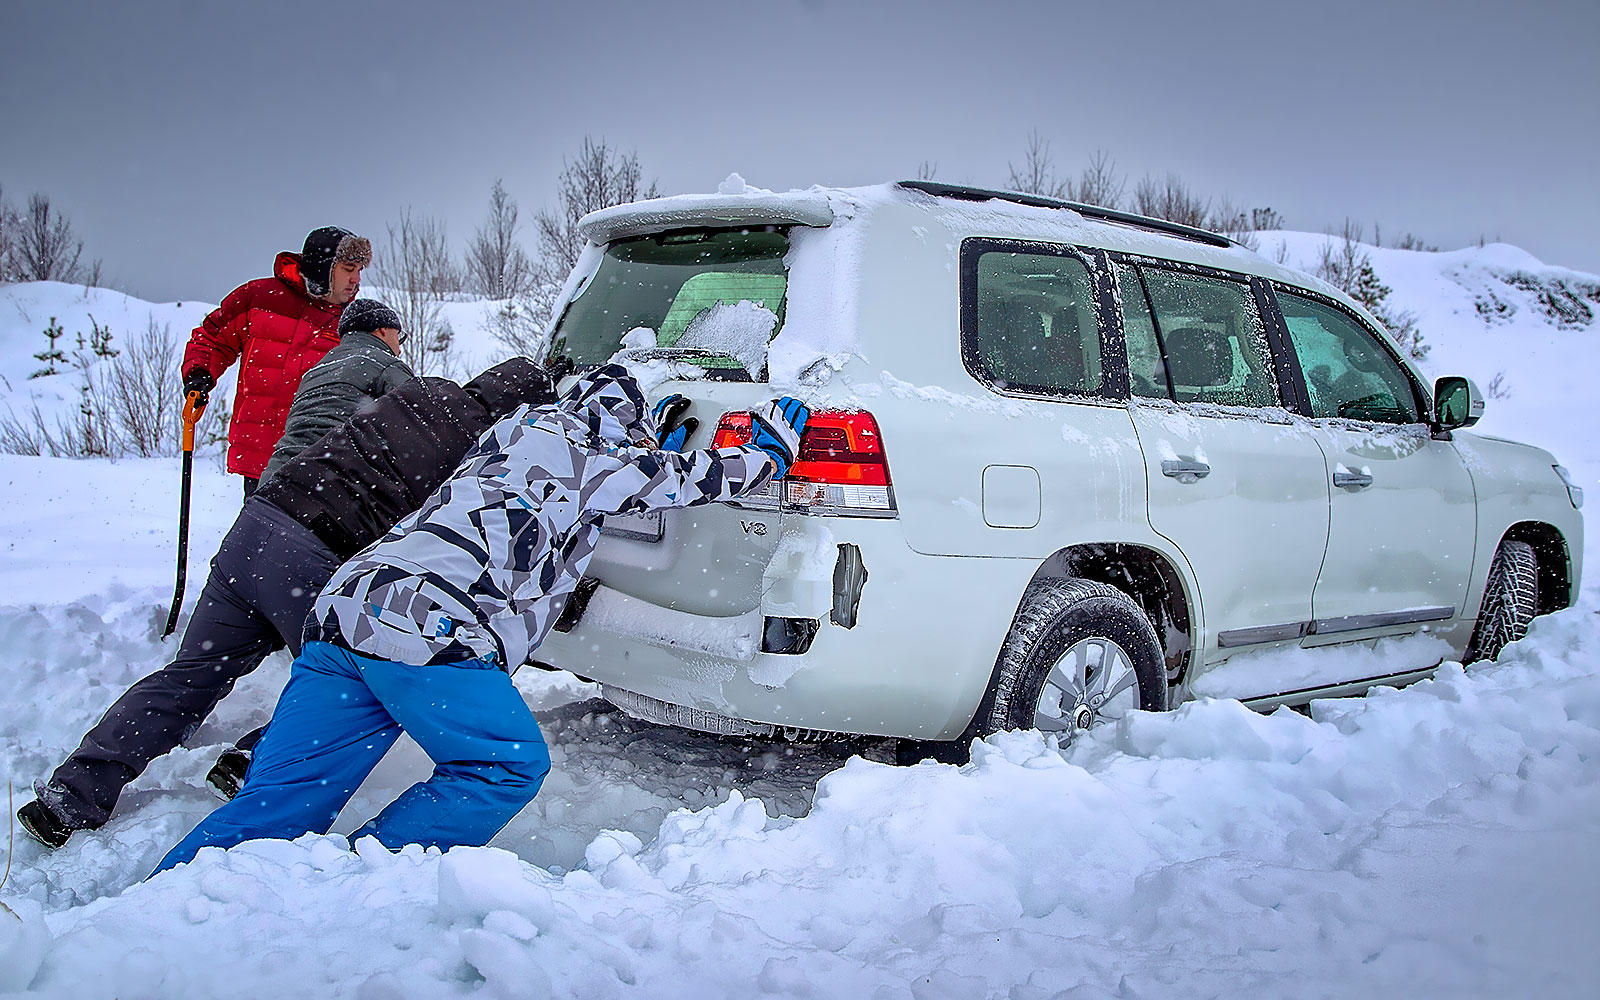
(1113, 351)
(1419, 392)
(1285, 368)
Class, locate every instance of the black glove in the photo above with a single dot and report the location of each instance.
(197, 379)
(560, 367)
(672, 427)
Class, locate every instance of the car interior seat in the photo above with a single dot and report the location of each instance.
(1198, 359)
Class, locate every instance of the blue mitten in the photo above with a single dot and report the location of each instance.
(776, 430)
(672, 427)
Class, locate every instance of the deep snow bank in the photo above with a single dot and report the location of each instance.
(1431, 841)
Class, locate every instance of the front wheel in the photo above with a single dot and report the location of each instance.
(1510, 600)
(1080, 653)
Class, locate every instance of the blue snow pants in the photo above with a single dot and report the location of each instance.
(342, 711)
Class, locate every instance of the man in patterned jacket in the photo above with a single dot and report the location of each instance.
(419, 631)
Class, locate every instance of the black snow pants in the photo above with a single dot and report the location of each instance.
(264, 579)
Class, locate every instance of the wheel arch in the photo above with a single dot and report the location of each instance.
(1554, 561)
(1149, 577)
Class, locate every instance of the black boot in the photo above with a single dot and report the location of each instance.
(227, 774)
(43, 825)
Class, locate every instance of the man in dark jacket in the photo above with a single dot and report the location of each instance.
(364, 366)
(420, 632)
(280, 326)
(322, 507)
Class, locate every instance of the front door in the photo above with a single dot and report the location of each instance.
(1403, 510)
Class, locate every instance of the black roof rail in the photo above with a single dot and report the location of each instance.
(1087, 211)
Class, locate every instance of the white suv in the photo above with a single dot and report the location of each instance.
(1063, 463)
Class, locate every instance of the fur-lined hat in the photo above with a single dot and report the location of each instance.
(325, 246)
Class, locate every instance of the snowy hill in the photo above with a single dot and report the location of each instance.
(1434, 841)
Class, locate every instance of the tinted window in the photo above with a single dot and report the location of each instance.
(1216, 345)
(1036, 328)
(712, 298)
(1348, 372)
(1147, 372)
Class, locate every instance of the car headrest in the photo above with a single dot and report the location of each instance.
(1197, 356)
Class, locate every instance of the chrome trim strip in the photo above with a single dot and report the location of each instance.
(1354, 623)
(1268, 702)
(1261, 633)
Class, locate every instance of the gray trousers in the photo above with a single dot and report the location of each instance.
(264, 579)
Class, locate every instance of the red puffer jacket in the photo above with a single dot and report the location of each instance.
(281, 331)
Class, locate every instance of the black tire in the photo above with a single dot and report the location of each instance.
(1510, 600)
(1058, 616)
(1054, 617)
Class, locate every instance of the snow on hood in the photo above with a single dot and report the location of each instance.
(610, 401)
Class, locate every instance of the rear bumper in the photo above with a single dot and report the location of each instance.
(915, 664)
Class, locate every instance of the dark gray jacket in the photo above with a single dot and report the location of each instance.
(360, 369)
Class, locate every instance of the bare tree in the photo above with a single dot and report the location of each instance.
(1234, 222)
(45, 248)
(497, 266)
(1171, 199)
(1037, 175)
(1343, 261)
(1099, 184)
(8, 228)
(926, 169)
(417, 272)
(600, 176)
(144, 392)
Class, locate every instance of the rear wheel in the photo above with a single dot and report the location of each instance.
(1510, 600)
(1079, 654)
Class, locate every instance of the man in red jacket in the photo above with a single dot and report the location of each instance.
(280, 326)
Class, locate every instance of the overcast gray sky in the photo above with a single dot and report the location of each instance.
(189, 142)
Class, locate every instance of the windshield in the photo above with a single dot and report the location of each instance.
(713, 298)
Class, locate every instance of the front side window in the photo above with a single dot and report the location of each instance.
(1348, 372)
(1147, 370)
(1214, 341)
(1036, 328)
(713, 298)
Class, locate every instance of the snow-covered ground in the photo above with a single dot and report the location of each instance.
(1433, 841)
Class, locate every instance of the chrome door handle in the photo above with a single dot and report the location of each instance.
(1185, 470)
(1352, 480)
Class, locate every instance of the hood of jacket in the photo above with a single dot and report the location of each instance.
(286, 268)
(609, 401)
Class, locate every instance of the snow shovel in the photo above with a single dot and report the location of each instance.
(193, 405)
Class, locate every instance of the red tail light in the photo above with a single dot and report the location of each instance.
(841, 468)
(841, 448)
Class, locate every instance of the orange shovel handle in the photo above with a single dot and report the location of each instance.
(192, 408)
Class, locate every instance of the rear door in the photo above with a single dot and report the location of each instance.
(700, 305)
(1232, 482)
(1403, 510)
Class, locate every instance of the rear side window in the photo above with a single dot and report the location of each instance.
(714, 298)
(1348, 371)
(1213, 339)
(1034, 328)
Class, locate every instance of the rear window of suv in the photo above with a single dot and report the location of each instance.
(713, 298)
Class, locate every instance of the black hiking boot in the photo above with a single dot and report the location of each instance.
(227, 774)
(43, 825)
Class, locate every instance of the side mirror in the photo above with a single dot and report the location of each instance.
(1456, 403)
